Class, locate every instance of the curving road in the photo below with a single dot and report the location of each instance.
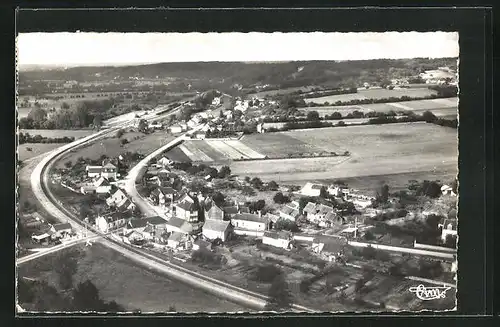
(40, 180)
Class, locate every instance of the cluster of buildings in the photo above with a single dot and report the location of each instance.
(53, 233)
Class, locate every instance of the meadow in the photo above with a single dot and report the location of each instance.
(54, 133)
(439, 107)
(375, 93)
(129, 284)
(30, 150)
(419, 149)
(112, 147)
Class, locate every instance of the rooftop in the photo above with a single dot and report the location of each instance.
(176, 222)
(216, 225)
(62, 226)
(249, 217)
(283, 235)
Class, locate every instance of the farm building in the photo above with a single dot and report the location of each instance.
(330, 247)
(311, 189)
(249, 221)
(187, 208)
(164, 162)
(280, 239)
(175, 224)
(112, 221)
(214, 229)
(140, 225)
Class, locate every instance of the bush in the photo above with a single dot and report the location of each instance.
(266, 273)
(120, 133)
(123, 141)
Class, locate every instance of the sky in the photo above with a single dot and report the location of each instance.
(74, 49)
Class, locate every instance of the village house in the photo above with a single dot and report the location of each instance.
(330, 247)
(448, 228)
(200, 135)
(178, 240)
(175, 224)
(249, 221)
(164, 162)
(212, 211)
(447, 190)
(132, 237)
(288, 212)
(175, 129)
(201, 244)
(317, 213)
(93, 171)
(281, 239)
(161, 196)
(187, 208)
(102, 185)
(338, 191)
(116, 197)
(112, 221)
(147, 227)
(60, 230)
(231, 211)
(109, 171)
(311, 189)
(216, 229)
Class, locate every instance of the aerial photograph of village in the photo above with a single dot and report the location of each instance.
(180, 173)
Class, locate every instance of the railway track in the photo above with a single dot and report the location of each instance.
(237, 294)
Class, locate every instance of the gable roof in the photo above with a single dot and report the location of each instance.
(249, 217)
(62, 226)
(117, 195)
(137, 223)
(290, 211)
(101, 181)
(149, 229)
(167, 190)
(186, 205)
(109, 165)
(123, 204)
(94, 169)
(310, 207)
(216, 225)
(176, 222)
(215, 213)
(231, 210)
(155, 220)
(332, 216)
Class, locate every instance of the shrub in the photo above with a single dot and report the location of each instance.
(266, 273)
(123, 141)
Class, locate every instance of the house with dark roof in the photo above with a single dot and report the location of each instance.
(187, 208)
(140, 224)
(249, 221)
(102, 185)
(317, 213)
(162, 196)
(230, 211)
(280, 239)
(60, 230)
(214, 229)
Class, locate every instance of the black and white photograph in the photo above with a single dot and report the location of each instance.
(230, 172)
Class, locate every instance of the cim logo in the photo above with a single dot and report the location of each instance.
(429, 293)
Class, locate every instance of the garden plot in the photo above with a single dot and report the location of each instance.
(247, 151)
(227, 150)
(194, 153)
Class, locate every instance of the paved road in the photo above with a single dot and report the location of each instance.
(130, 180)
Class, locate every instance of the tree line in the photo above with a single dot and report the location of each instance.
(28, 138)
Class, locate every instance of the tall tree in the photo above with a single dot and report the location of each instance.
(143, 126)
(279, 296)
(86, 297)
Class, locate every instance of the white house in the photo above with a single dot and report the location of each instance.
(177, 240)
(116, 197)
(175, 224)
(187, 209)
(216, 101)
(60, 230)
(447, 190)
(164, 161)
(311, 189)
(183, 126)
(338, 191)
(316, 213)
(102, 185)
(249, 221)
(280, 239)
(213, 229)
(155, 126)
(109, 171)
(200, 244)
(93, 171)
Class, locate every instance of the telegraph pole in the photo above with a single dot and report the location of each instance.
(355, 227)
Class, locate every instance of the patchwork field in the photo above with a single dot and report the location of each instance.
(134, 287)
(76, 133)
(214, 151)
(279, 145)
(374, 94)
(439, 107)
(388, 150)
